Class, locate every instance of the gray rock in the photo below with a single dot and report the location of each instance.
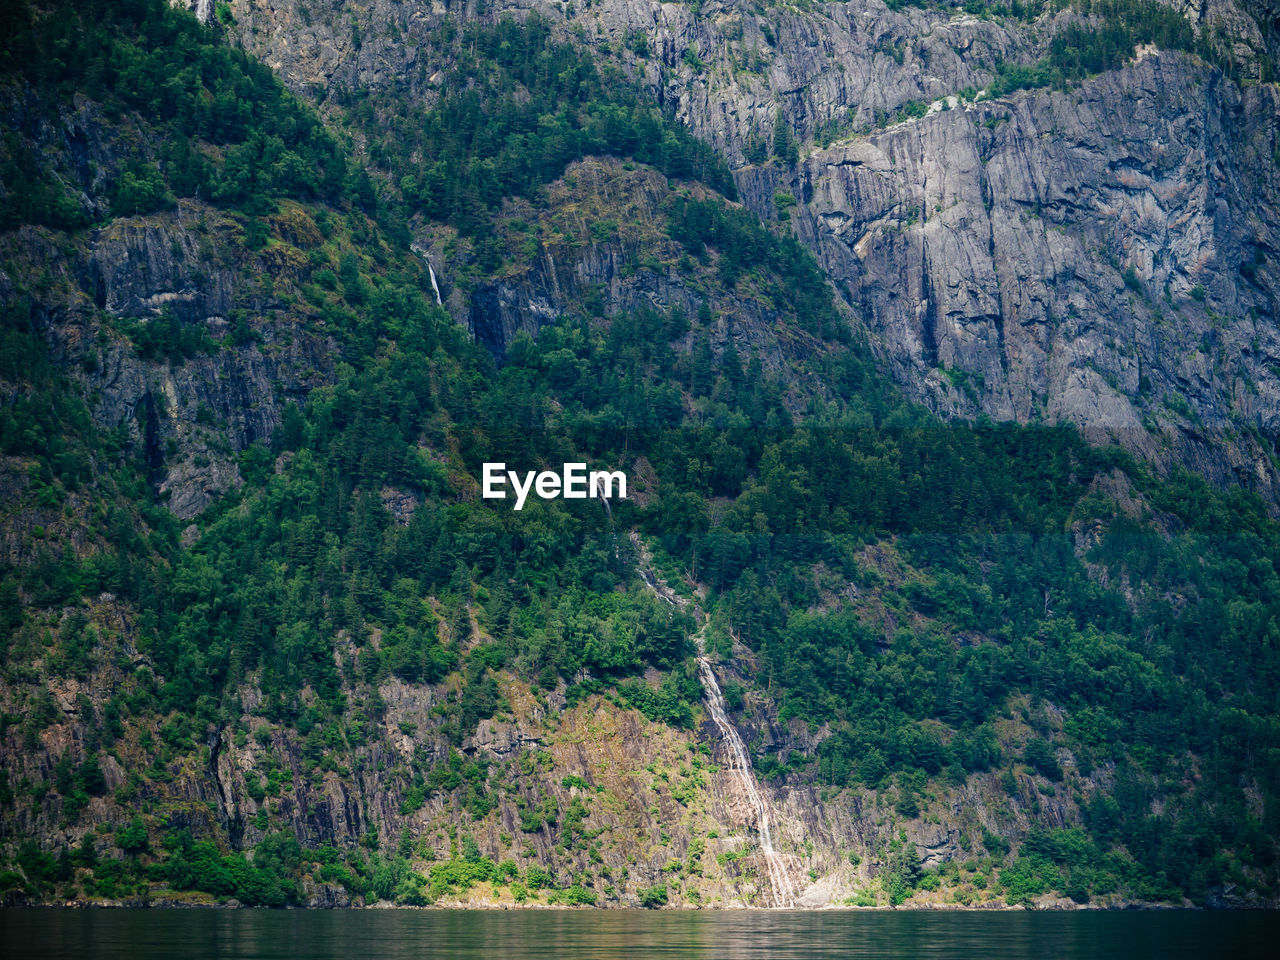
(1037, 258)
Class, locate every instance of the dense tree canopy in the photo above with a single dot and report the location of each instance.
(905, 584)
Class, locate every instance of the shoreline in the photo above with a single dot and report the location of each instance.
(1054, 906)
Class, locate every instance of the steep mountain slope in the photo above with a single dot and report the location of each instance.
(1042, 211)
(264, 641)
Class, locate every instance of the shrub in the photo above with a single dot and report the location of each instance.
(651, 898)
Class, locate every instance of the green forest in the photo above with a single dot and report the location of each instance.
(1012, 583)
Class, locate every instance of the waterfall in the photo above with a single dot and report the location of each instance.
(434, 286)
(430, 271)
(784, 894)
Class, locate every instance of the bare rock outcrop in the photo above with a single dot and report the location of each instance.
(1103, 255)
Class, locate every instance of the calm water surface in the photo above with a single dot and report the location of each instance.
(399, 934)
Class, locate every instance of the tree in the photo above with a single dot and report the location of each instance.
(651, 898)
(140, 189)
(784, 144)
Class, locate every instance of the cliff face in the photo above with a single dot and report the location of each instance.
(591, 792)
(1103, 255)
(1089, 256)
(186, 332)
(173, 329)
(196, 415)
(604, 246)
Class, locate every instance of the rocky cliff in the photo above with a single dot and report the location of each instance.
(1103, 254)
(185, 268)
(589, 794)
(186, 331)
(176, 331)
(355, 670)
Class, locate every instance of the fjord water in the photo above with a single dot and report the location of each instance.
(606, 935)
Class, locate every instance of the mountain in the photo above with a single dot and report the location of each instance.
(913, 599)
(1044, 212)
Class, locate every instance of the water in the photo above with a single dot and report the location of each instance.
(610, 935)
(783, 893)
(435, 287)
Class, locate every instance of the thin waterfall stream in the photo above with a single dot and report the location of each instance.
(739, 765)
(784, 894)
(431, 272)
(434, 286)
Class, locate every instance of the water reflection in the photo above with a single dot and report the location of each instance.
(615, 935)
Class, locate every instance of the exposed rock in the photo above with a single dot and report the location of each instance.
(1104, 256)
(637, 266)
(1069, 257)
(192, 414)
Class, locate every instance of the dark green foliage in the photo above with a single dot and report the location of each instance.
(518, 107)
(1104, 42)
(39, 868)
(744, 244)
(913, 110)
(77, 783)
(903, 871)
(48, 421)
(188, 85)
(10, 608)
(1022, 9)
(416, 656)
(904, 584)
(654, 897)
(1030, 876)
(670, 703)
(977, 512)
(454, 875)
(577, 896)
(270, 880)
(33, 194)
(166, 338)
(140, 189)
(1041, 757)
(90, 778)
(465, 779)
(756, 148)
(996, 845)
(1072, 863)
(133, 838)
(785, 149)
